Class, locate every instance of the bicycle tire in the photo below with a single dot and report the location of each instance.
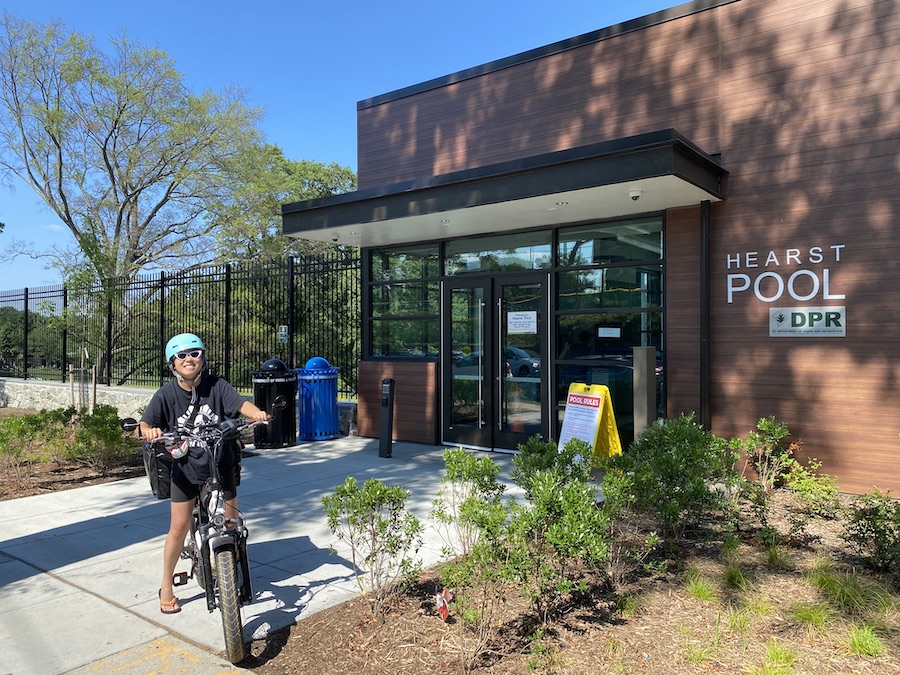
(230, 604)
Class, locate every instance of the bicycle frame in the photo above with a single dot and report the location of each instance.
(217, 545)
(216, 532)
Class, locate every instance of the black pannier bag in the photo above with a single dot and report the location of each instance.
(158, 465)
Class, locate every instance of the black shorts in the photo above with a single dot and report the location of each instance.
(183, 490)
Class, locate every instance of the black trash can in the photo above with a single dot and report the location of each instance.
(273, 380)
(317, 405)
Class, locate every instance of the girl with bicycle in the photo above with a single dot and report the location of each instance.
(194, 397)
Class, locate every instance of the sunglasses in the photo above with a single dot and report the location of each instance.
(194, 354)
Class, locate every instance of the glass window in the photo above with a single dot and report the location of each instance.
(506, 253)
(606, 336)
(404, 295)
(405, 299)
(405, 337)
(609, 243)
(412, 263)
(611, 287)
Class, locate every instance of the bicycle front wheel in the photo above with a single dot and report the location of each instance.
(230, 604)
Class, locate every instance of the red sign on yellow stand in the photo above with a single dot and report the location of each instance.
(589, 417)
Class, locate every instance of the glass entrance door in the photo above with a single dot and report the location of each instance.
(495, 383)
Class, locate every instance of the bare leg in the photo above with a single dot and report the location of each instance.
(179, 525)
(231, 509)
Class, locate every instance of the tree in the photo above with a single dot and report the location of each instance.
(117, 146)
(248, 227)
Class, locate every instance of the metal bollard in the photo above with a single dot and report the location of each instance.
(387, 418)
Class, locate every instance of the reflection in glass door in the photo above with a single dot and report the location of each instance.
(495, 387)
(465, 365)
(520, 307)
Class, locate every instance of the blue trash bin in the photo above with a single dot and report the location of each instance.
(317, 404)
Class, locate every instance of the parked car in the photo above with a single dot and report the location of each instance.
(522, 362)
(517, 361)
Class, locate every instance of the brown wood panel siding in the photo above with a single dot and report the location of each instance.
(682, 297)
(809, 128)
(663, 76)
(800, 98)
(415, 399)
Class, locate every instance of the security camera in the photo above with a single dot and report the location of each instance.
(634, 194)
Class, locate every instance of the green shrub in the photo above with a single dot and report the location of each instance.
(816, 493)
(470, 514)
(765, 453)
(873, 529)
(677, 470)
(383, 537)
(467, 500)
(559, 528)
(38, 437)
(571, 462)
(813, 495)
(99, 440)
(630, 542)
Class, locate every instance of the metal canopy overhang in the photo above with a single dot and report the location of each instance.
(587, 183)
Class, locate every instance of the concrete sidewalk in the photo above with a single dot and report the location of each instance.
(79, 569)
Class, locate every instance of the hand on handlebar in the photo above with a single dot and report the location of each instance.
(260, 416)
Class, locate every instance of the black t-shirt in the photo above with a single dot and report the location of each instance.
(172, 407)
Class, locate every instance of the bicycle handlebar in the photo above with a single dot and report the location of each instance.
(205, 433)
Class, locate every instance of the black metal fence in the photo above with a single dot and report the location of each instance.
(245, 314)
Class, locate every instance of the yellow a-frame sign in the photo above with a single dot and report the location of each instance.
(589, 416)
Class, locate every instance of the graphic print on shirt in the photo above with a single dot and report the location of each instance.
(204, 416)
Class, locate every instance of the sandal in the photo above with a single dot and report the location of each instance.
(169, 606)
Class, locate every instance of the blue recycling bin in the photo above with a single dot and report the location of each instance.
(317, 403)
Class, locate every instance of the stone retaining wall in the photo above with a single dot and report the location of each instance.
(129, 401)
(44, 395)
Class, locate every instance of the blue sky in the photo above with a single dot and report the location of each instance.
(307, 64)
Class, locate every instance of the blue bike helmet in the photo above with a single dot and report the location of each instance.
(183, 342)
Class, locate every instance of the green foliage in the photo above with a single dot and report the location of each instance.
(699, 587)
(813, 495)
(468, 502)
(765, 453)
(571, 462)
(383, 537)
(64, 434)
(560, 527)
(247, 222)
(873, 529)
(864, 641)
(850, 594)
(672, 470)
(629, 543)
(815, 616)
(479, 581)
(735, 577)
(116, 144)
(543, 546)
(777, 558)
(544, 657)
(99, 441)
(779, 659)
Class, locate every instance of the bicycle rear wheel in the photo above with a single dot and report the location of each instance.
(230, 604)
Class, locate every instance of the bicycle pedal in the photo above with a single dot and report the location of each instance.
(179, 578)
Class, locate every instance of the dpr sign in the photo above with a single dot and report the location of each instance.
(808, 322)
